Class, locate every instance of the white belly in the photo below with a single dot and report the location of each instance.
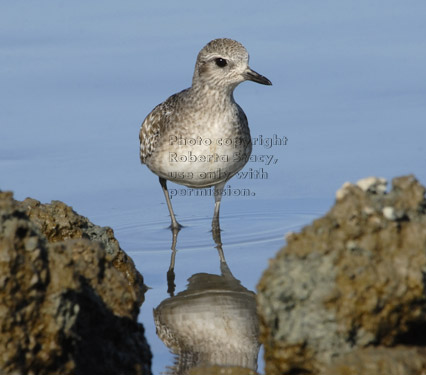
(200, 162)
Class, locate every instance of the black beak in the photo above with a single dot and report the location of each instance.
(251, 75)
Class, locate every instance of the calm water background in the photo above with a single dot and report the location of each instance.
(77, 78)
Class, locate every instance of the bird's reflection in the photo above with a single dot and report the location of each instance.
(212, 322)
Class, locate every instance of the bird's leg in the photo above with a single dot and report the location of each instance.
(171, 272)
(175, 224)
(218, 240)
(218, 190)
(224, 269)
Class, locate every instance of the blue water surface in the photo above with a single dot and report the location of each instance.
(77, 79)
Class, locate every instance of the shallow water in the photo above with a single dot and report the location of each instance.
(249, 239)
(77, 80)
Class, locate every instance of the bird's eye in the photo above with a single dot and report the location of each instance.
(221, 62)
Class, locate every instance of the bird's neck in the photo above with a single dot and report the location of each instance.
(223, 97)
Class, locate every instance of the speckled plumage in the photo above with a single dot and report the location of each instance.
(206, 112)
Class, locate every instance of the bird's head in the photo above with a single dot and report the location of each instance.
(223, 64)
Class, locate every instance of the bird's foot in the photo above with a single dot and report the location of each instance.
(175, 226)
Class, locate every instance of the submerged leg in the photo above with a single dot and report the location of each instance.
(218, 190)
(175, 224)
(224, 269)
(217, 238)
(171, 272)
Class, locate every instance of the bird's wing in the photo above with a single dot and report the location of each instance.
(150, 131)
(161, 117)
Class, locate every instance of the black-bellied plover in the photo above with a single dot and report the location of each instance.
(200, 137)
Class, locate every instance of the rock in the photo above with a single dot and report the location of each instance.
(381, 361)
(354, 279)
(373, 185)
(58, 222)
(65, 308)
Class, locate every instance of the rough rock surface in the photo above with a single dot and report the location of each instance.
(58, 222)
(65, 307)
(381, 361)
(354, 279)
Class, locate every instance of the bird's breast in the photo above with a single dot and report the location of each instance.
(204, 152)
